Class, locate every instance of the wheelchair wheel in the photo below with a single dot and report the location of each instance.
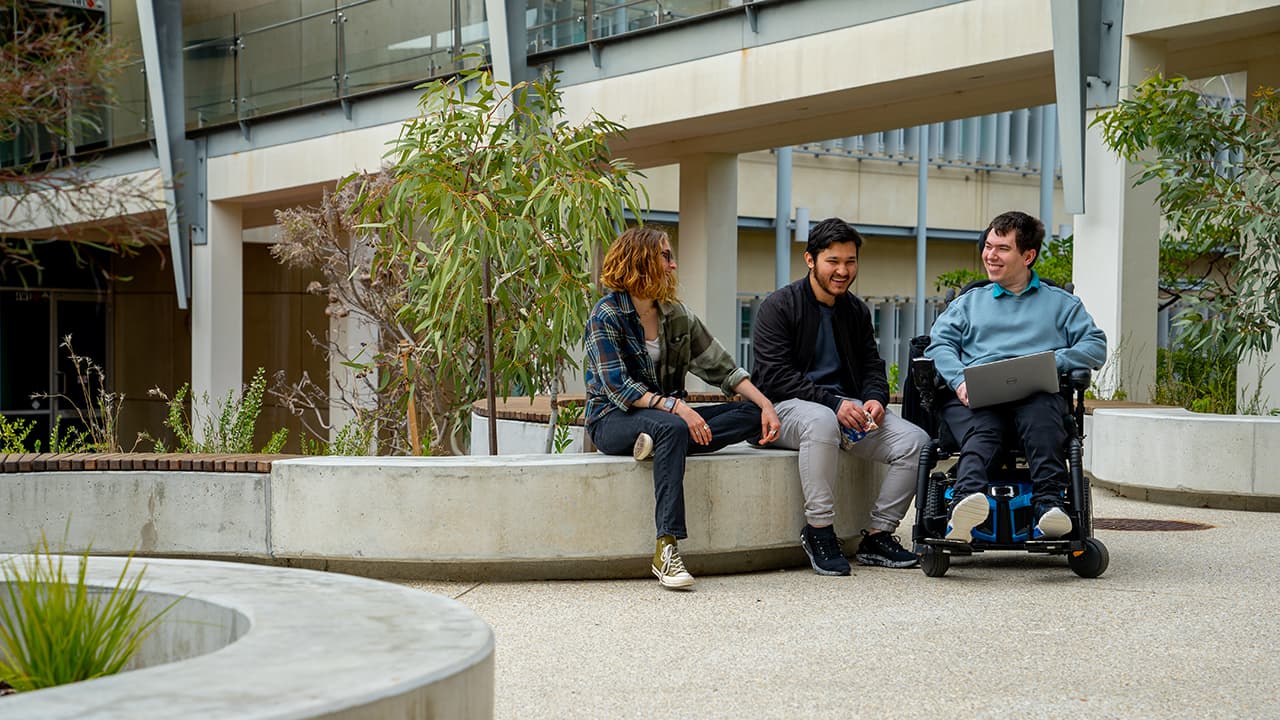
(1090, 562)
(934, 563)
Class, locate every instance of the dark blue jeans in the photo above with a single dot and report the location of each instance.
(615, 433)
(1037, 421)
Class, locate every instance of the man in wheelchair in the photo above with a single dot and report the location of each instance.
(1016, 314)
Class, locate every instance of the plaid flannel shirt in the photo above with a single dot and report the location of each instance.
(618, 369)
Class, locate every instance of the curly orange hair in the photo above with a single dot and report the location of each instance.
(634, 265)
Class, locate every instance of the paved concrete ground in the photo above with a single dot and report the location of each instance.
(1183, 624)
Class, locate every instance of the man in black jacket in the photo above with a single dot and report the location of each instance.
(816, 359)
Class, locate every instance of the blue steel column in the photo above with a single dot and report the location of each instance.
(1048, 163)
(160, 25)
(922, 212)
(782, 217)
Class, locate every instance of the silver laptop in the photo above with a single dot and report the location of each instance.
(1013, 379)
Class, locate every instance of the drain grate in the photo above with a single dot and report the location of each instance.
(1147, 525)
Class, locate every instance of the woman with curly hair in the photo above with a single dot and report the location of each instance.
(641, 342)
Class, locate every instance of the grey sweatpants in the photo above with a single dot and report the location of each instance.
(814, 431)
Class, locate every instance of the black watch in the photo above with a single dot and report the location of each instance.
(669, 404)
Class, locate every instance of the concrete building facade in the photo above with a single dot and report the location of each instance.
(262, 105)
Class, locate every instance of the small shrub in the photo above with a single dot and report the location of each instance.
(69, 440)
(566, 416)
(97, 409)
(1055, 261)
(1201, 380)
(229, 430)
(353, 439)
(13, 434)
(957, 279)
(54, 630)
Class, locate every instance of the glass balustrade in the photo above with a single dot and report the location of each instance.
(287, 56)
(209, 71)
(557, 23)
(393, 43)
(561, 23)
(293, 53)
(130, 116)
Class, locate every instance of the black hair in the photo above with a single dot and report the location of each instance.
(1028, 232)
(830, 231)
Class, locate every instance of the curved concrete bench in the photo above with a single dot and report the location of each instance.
(1178, 456)
(246, 641)
(507, 516)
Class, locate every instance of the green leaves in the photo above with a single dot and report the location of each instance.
(495, 176)
(1218, 169)
(56, 630)
(228, 430)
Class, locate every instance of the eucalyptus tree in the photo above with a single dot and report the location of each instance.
(498, 210)
(1218, 170)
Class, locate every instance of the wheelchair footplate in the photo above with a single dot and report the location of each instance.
(1056, 546)
(950, 547)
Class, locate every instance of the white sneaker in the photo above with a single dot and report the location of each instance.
(672, 573)
(1054, 523)
(969, 513)
(643, 449)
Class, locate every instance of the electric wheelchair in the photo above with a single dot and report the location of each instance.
(1010, 524)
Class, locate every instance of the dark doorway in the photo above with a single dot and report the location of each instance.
(38, 380)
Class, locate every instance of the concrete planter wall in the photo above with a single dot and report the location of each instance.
(247, 641)
(1174, 455)
(509, 516)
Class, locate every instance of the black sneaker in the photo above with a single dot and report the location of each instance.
(883, 549)
(823, 548)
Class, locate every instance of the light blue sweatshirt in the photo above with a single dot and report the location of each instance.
(989, 323)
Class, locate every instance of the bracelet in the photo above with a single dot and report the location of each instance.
(653, 400)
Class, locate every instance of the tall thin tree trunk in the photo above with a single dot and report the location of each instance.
(488, 358)
(553, 420)
(415, 438)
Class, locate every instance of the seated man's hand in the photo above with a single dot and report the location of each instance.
(853, 414)
(876, 410)
(962, 393)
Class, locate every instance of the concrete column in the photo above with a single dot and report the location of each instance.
(708, 242)
(1117, 247)
(217, 307)
(1259, 375)
(357, 337)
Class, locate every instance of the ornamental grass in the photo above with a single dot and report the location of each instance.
(55, 630)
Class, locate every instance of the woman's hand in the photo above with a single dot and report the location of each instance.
(770, 426)
(699, 430)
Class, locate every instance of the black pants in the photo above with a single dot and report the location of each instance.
(1038, 421)
(615, 432)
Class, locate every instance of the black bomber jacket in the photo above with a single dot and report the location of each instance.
(785, 335)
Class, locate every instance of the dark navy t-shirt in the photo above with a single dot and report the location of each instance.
(826, 358)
